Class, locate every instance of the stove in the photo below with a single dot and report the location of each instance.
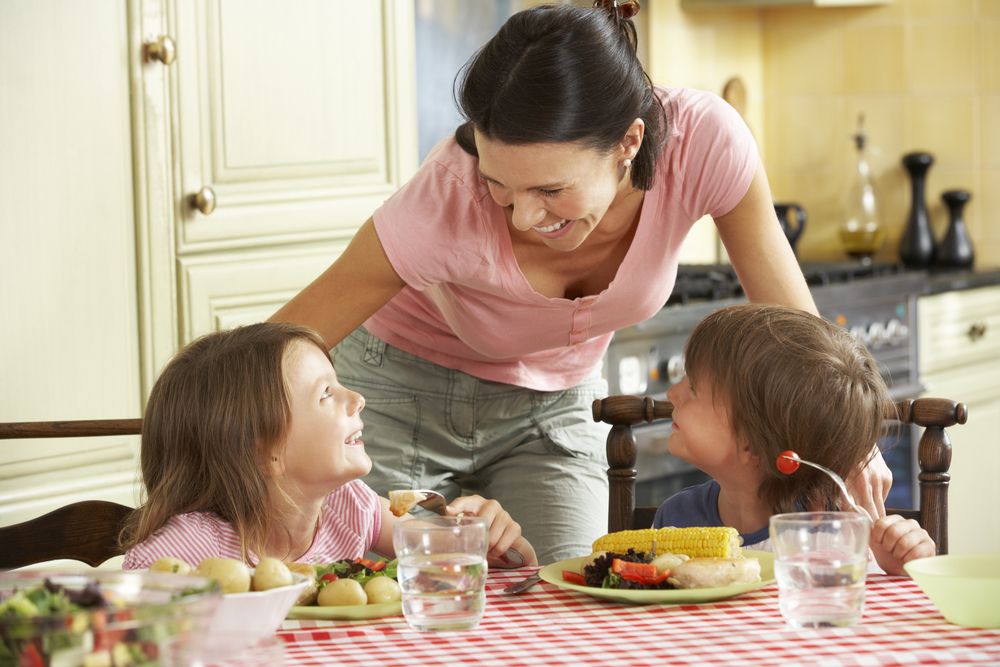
(875, 302)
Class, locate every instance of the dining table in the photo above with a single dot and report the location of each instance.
(553, 625)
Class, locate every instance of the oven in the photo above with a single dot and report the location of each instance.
(875, 302)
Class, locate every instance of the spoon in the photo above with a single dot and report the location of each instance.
(788, 462)
(435, 502)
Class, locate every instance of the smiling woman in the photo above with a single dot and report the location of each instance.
(474, 308)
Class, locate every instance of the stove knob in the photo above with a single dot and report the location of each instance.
(675, 368)
(630, 380)
(896, 331)
(876, 334)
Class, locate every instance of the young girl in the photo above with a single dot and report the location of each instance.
(763, 379)
(251, 448)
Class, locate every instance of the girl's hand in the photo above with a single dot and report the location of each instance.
(895, 541)
(870, 485)
(505, 533)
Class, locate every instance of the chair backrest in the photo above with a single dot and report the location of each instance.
(934, 457)
(86, 531)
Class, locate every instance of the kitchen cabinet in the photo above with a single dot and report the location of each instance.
(959, 352)
(203, 162)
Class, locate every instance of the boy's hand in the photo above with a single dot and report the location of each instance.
(895, 540)
(870, 484)
(505, 533)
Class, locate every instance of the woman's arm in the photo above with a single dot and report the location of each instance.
(357, 284)
(759, 250)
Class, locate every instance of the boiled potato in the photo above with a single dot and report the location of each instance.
(232, 575)
(270, 573)
(342, 592)
(381, 589)
(170, 564)
(308, 594)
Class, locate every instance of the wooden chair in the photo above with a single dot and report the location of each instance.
(934, 457)
(86, 531)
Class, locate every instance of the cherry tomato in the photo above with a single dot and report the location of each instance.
(788, 462)
(328, 577)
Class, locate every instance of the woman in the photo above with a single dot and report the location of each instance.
(474, 307)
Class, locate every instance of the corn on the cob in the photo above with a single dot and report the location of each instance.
(699, 542)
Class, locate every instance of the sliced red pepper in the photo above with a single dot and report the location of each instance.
(571, 577)
(328, 577)
(640, 573)
(374, 566)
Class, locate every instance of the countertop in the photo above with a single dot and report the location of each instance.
(941, 280)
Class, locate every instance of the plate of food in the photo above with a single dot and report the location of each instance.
(349, 590)
(694, 565)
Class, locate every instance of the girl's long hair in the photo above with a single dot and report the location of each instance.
(792, 380)
(559, 73)
(215, 417)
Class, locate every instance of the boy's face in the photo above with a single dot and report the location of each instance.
(323, 448)
(702, 434)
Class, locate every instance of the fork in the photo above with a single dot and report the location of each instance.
(435, 502)
(796, 459)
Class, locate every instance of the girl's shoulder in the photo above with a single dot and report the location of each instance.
(192, 537)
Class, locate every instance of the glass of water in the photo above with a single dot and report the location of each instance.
(820, 561)
(442, 571)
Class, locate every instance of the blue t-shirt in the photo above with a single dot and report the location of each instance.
(699, 506)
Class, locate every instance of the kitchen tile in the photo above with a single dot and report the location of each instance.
(989, 9)
(804, 131)
(944, 125)
(941, 56)
(989, 113)
(989, 53)
(989, 205)
(874, 58)
(882, 125)
(804, 59)
(928, 9)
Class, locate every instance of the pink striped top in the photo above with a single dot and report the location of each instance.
(350, 523)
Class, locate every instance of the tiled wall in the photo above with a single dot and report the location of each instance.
(926, 74)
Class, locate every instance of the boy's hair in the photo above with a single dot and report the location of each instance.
(791, 380)
(215, 417)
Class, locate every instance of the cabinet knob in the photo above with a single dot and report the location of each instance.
(204, 200)
(977, 331)
(163, 49)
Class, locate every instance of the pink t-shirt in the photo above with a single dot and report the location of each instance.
(467, 306)
(350, 522)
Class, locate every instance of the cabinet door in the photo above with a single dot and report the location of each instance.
(67, 249)
(974, 494)
(298, 116)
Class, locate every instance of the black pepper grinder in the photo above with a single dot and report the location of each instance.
(955, 250)
(916, 247)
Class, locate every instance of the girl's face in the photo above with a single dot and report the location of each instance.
(702, 434)
(323, 448)
(558, 192)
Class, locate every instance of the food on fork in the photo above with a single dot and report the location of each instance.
(309, 593)
(696, 542)
(401, 502)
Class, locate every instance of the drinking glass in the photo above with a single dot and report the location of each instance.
(442, 571)
(820, 563)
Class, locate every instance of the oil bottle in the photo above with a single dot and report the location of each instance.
(861, 232)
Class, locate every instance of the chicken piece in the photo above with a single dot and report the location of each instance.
(715, 572)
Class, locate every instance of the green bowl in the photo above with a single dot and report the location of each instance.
(965, 587)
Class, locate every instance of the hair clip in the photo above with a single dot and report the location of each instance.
(623, 9)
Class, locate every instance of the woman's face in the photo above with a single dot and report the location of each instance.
(556, 191)
(323, 448)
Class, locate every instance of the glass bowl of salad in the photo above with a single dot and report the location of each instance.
(102, 617)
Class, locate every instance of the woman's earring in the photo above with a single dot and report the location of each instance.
(627, 163)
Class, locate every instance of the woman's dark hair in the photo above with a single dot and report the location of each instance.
(560, 73)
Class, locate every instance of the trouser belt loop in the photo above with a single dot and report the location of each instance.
(374, 349)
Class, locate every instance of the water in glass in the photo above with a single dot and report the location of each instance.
(442, 591)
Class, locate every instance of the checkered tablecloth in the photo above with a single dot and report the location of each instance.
(552, 626)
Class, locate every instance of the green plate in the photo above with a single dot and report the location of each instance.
(553, 574)
(358, 612)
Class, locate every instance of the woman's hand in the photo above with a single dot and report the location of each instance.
(870, 485)
(896, 540)
(505, 533)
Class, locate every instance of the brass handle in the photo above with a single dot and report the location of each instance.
(977, 331)
(163, 50)
(204, 200)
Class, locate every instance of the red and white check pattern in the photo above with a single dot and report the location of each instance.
(551, 626)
